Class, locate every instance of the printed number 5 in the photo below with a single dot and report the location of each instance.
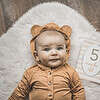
(94, 54)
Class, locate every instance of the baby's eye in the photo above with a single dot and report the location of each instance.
(59, 48)
(46, 49)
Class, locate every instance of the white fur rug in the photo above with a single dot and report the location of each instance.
(15, 54)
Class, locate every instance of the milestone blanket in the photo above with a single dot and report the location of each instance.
(15, 53)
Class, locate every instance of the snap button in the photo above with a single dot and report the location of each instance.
(49, 73)
(49, 95)
(49, 83)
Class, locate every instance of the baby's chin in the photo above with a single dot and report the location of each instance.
(55, 64)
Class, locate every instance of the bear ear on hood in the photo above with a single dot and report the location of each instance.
(35, 30)
(67, 30)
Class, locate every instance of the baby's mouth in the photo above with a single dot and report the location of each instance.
(55, 59)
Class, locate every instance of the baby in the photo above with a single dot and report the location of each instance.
(51, 78)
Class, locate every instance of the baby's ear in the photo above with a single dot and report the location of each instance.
(67, 29)
(35, 54)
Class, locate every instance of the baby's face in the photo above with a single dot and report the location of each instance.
(51, 48)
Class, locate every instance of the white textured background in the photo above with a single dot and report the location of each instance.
(15, 54)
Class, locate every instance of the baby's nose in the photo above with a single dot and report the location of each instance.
(54, 52)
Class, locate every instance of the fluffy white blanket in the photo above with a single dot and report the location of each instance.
(15, 54)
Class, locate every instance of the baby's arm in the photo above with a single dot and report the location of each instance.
(22, 89)
(77, 88)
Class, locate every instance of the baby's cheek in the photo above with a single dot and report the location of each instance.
(63, 56)
(43, 57)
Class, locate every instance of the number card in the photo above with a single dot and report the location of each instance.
(88, 64)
